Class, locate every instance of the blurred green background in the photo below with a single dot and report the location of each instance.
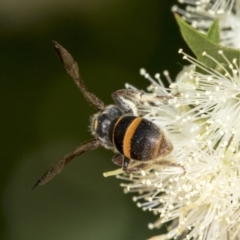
(43, 115)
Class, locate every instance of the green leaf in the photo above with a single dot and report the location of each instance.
(200, 43)
(213, 33)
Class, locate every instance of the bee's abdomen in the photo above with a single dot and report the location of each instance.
(138, 138)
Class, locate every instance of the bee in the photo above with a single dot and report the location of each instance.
(114, 127)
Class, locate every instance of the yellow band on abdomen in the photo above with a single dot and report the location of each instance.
(128, 136)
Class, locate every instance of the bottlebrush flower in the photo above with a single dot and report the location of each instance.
(201, 117)
(200, 15)
(195, 189)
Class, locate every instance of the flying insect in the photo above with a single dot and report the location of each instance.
(114, 127)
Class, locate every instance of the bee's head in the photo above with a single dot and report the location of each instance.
(101, 122)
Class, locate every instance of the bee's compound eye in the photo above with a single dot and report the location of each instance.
(95, 124)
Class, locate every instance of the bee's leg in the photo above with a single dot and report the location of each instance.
(128, 99)
(171, 164)
(125, 164)
(118, 159)
(127, 105)
(127, 168)
(177, 165)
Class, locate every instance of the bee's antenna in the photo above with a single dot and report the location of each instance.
(58, 166)
(72, 69)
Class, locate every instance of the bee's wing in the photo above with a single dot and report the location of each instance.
(72, 69)
(58, 166)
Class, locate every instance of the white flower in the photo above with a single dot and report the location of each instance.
(200, 15)
(202, 119)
